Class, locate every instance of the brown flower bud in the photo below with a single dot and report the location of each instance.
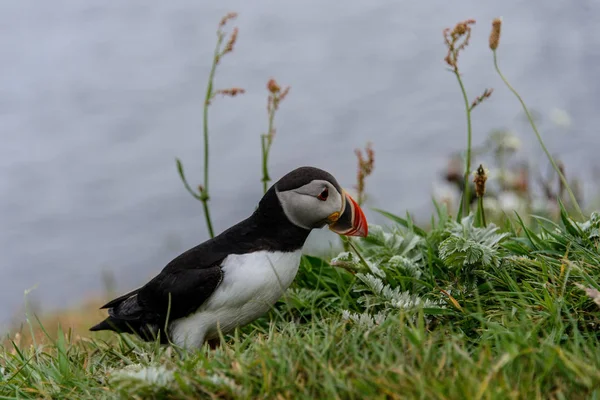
(227, 17)
(231, 41)
(480, 178)
(272, 86)
(232, 92)
(495, 34)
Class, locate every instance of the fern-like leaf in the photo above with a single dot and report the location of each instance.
(471, 246)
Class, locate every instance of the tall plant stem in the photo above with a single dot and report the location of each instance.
(539, 137)
(481, 212)
(266, 142)
(465, 197)
(204, 193)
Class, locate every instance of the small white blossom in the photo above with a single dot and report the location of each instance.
(560, 118)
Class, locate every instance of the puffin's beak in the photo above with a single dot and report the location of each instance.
(351, 221)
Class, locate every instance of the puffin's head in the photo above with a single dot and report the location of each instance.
(312, 198)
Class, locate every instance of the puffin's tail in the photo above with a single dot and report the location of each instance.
(113, 324)
(122, 314)
(126, 315)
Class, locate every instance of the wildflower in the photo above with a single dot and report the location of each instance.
(480, 178)
(560, 118)
(226, 18)
(232, 92)
(453, 41)
(228, 48)
(231, 41)
(486, 93)
(272, 86)
(276, 95)
(509, 142)
(495, 34)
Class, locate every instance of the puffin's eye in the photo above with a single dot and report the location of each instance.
(324, 194)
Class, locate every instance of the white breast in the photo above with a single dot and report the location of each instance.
(251, 284)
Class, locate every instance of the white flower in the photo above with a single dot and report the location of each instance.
(560, 118)
(506, 140)
(511, 142)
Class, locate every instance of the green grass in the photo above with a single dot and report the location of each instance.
(492, 315)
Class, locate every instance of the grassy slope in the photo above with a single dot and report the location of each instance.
(519, 329)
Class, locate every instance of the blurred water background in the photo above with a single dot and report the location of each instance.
(97, 99)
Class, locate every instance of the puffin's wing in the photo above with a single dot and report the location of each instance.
(180, 289)
(179, 293)
(169, 296)
(185, 283)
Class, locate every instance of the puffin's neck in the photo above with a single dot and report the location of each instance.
(274, 227)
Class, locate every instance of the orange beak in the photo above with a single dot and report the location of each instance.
(351, 221)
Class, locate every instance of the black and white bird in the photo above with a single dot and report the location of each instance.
(234, 278)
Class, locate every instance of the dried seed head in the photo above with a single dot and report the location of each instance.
(460, 28)
(276, 95)
(480, 178)
(226, 18)
(456, 40)
(231, 41)
(284, 93)
(272, 86)
(495, 34)
(232, 92)
(486, 93)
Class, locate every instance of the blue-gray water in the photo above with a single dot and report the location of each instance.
(97, 98)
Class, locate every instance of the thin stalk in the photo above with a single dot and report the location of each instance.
(265, 178)
(465, 197)
(539, 137)
(204, 193)
(481, 211)
(267, 141)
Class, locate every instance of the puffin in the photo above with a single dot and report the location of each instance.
(237, 276)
